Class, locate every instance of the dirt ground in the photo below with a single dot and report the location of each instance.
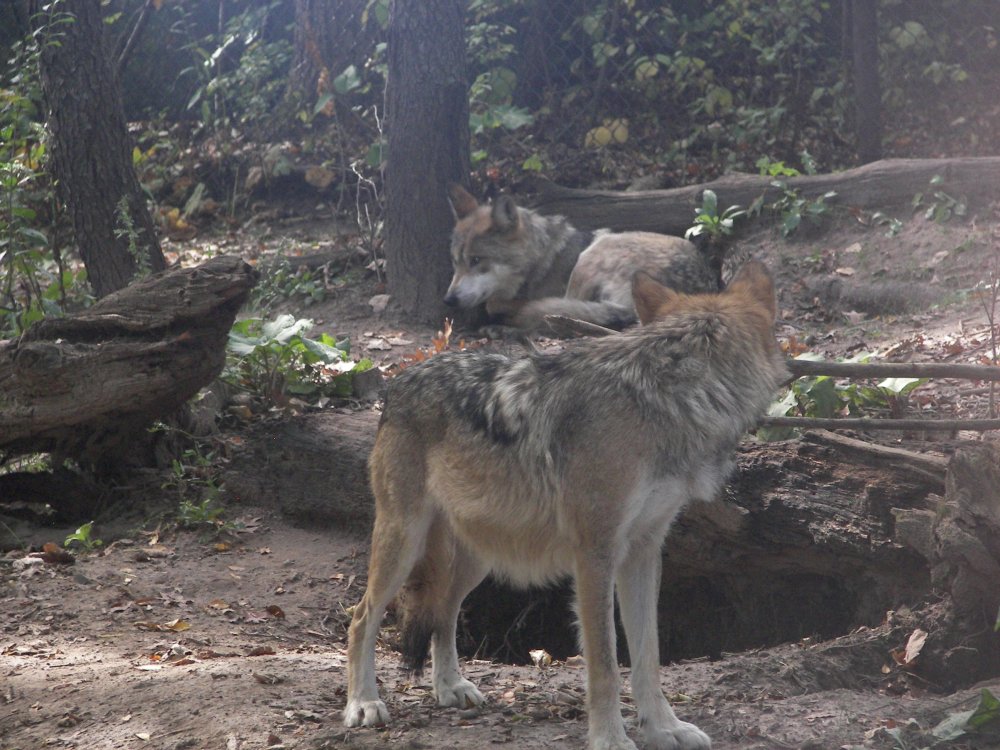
(170, 639)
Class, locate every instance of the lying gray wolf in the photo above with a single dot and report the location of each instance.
(525, 266)
(571, 463)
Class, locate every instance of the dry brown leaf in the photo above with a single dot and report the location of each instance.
(53, 554)
(914, 646)
(276, 611)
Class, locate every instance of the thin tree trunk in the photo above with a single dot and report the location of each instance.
(427, 118)
(91, 148)
(868, 95)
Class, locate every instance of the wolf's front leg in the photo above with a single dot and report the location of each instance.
(595, 601)
(364, 707)
(638, 591)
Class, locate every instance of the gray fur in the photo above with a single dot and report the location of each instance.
(525, 266)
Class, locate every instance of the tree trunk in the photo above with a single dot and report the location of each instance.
(886, 184)
(91, 152)
(427, 117)
(867, 92)
(84, 385)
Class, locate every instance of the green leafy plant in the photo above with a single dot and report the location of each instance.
(894, 225)
(83, 537)
(795, 209)
(35, 281)
(822, 396)
(938, 206)
(709, 222)
(125, 229)
(272, 360)
(246, 93)
(192, 515)
(279, 281)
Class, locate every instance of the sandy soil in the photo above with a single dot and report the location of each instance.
(174, 639)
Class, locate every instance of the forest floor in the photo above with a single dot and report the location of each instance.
(170, 639)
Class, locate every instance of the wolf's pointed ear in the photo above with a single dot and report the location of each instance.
(652, 300)
(505, 216)
(754, 281)
(461, 201)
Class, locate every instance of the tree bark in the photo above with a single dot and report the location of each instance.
(886, 184)
(427, 118)
(91, 152)
(84, 385)
(867, 91)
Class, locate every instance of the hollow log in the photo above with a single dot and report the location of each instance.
(83, 386)
(804, 544)
(890, 183)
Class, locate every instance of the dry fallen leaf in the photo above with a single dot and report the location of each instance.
(276, 611)
(914, 646)
(53, 554)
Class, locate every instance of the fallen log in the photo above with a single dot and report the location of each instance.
(869, 423)
(890, 183)
(83, 386)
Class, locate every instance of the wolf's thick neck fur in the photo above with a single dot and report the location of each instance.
(555, 245)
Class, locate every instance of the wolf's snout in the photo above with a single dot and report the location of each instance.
(451, 299)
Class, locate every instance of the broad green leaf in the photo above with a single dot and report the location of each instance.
(709, 202)
(282, 328)
(36, 238)
(901, 385)
(321, 103)
(987, 712)
(824, 397)
(323, 351)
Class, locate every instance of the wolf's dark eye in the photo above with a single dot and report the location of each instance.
(475, 260)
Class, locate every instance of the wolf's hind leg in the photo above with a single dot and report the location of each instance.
(397, 543)
(442, 578)
(450, 688)
(638, 592)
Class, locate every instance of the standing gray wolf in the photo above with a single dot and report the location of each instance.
(525, 266)
(572, 463)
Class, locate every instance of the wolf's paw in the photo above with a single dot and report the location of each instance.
(500, 332)
(611, 743)
(685, 736)
(458, 694)
(361, 713)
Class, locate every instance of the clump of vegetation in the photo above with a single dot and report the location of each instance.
(938, 205)
(35, 281)
(708, 222)
(272, 360)
(83, 538)
(823, 397)
(279, 281)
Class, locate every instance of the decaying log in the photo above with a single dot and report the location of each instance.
(313, 468)
(83, 385)
(802, 545)
(878, 185)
